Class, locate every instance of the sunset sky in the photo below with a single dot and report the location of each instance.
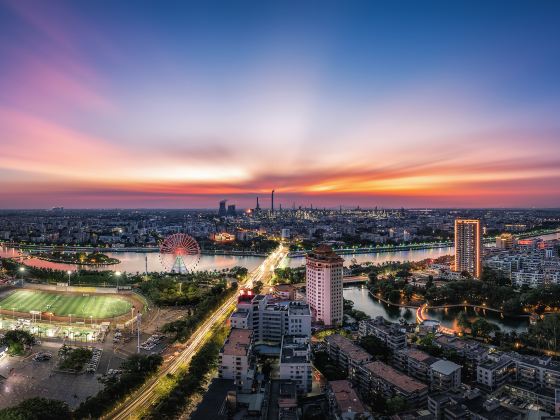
(161, 104)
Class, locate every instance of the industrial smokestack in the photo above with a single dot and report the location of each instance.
(272, 201)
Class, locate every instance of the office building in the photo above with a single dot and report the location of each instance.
(222, 210)
(468, 247)
(231, 210)
(324, 285)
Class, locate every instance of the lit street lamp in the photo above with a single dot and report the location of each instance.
(117, 275)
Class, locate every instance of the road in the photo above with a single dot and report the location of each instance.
(146, 395)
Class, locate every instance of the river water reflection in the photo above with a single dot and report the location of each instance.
(371, 306)
(135, 262)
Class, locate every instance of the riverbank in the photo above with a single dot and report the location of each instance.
(147, 249)
(379, 249)
(293, 254)
(108, 261)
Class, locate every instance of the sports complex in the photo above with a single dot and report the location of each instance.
(84, 303)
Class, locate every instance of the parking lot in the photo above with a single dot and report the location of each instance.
(23, 377)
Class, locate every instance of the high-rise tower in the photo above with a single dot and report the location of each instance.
(323, 273)
(272, 201)
(222, 211)
(468, 246)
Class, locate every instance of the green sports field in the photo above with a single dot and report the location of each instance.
(80, 306)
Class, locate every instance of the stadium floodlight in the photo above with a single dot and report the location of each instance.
(117, 275)
(69, 274)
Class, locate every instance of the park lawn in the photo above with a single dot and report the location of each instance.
(80, 306)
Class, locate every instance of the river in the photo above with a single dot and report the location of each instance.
(371, 306)
(135, 262)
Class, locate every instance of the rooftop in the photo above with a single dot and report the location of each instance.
(324, 253)
(240, 313)
(445, 367)
(346, 397)
(418, 355)
(298, 308)
(395, 378)
(238, 342)
(353, 351)
(295, 349)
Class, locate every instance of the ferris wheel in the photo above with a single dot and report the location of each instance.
(179, 253)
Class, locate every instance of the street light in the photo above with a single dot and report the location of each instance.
(69, 274)
(118, 274)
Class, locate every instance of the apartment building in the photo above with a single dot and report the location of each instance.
(236, 360)
(444, 375)
(495, 371)
(295, 361)
(344, 401)
(347, 355)
(382, 379)
(438, 373)
(391, 334)
(271, 318)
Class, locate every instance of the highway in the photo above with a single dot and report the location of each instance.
(146, 395)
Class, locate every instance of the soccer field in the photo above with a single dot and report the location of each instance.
(97, 306)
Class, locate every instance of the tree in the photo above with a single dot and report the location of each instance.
(430, 282)
(375, 347)
(396, 405)
(481, 327)
(463, 321)
(37, 409)
(17, 340)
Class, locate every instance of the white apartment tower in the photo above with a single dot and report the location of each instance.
(324, 285)
(468, 246)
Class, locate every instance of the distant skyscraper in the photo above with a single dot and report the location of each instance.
(468, 246)
(222, 211)
(324, 285)
(272, 201)
(231, 210)
(258, 208)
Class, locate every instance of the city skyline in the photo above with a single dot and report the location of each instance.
(103, 105)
